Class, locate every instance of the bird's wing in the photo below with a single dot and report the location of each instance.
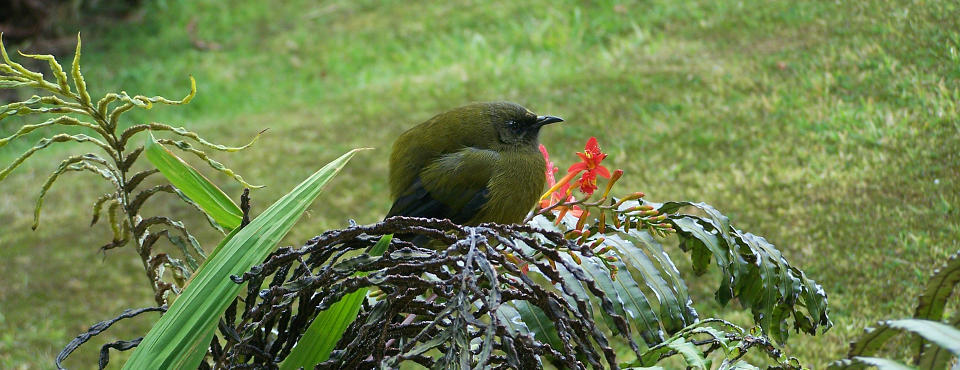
(453, 186)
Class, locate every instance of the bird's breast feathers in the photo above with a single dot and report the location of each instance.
(514, 187)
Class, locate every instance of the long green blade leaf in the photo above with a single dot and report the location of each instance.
(207, 195)
(861, 362)
(938, 290)
(184, 329)
(936, 332)
(328, 327)
(934, 299)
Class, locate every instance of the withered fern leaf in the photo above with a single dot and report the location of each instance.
(72, 106)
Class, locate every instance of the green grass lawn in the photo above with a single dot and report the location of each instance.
(830, 128)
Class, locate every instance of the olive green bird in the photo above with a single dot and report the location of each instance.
(473, 164)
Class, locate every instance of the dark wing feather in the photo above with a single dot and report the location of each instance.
(419, 203)
(454, 187)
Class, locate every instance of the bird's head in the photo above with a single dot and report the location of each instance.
(514, 124)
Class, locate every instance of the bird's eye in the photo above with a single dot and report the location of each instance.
(512, 125)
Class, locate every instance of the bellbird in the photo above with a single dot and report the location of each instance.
(473, 164)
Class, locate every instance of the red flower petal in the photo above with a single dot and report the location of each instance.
(577, 167)
(592, 146)
(576, 212)
(602, 171)
(587, 182)
(587, 188)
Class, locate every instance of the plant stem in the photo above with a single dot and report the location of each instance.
(123, 193)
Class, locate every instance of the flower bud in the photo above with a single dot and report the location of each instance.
(633, 196)
(613, 179)
(597, 243)
(563, 181)
(575, 257)
(602, 224)
(583, 219)
(563, 212)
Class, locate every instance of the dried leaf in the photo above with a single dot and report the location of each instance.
(185, 146)
(78, 78)
(43, 143)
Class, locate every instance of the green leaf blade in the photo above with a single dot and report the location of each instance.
(194, 185)
(861, 362)
(175, 341)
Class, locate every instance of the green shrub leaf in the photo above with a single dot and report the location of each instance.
(694, 236)
(637, 306)
(671, 313)
(753, 270)
(691, 354)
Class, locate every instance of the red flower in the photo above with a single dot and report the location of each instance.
(588, 182)
(590, 162)
(591, 158)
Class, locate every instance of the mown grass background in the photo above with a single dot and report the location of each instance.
(830, 128)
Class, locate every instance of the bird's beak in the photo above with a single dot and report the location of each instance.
(546, 120)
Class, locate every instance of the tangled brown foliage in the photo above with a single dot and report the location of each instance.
(458, 300)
